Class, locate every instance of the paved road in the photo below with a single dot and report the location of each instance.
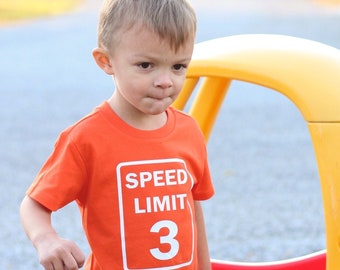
(268, 203)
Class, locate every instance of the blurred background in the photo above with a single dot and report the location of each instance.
(268, 203)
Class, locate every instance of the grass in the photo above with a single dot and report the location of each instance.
(17, 10)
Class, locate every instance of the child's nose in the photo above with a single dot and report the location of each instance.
(163, 81)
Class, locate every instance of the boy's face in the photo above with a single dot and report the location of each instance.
(148, 73)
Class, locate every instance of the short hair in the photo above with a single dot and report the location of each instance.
(172, 20)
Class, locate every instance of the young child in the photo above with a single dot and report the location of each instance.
(136, 167)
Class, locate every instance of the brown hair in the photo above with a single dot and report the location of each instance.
(172, 20)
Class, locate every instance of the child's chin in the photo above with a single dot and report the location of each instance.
(158, 107)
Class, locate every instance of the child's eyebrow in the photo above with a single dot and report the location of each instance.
(187, 59)
(154, 58)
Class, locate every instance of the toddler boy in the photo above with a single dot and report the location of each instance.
(136, 167)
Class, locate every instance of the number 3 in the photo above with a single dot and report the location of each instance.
(168, 239)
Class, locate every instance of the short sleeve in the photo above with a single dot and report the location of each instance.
(204, 189)
(61, 178)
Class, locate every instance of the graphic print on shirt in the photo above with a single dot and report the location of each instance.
(156, 216)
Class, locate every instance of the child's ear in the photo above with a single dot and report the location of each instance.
(103, 60)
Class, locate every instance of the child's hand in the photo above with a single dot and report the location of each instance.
(54, 252)
(59, 254)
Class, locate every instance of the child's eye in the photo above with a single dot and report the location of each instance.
(178, 67)
(145, 65)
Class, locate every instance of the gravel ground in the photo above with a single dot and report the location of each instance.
(268, 204)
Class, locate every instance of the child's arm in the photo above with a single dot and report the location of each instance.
(202, 242)
(54, 252)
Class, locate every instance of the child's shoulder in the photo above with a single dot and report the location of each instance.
(87, 124)
(181, 114)
(185, 118)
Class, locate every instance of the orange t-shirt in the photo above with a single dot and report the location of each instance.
(135, 189)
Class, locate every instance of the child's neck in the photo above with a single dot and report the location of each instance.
(138, 119)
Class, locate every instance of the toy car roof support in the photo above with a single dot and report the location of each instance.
(305, 71)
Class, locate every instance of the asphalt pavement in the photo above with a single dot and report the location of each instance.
(268, 202)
